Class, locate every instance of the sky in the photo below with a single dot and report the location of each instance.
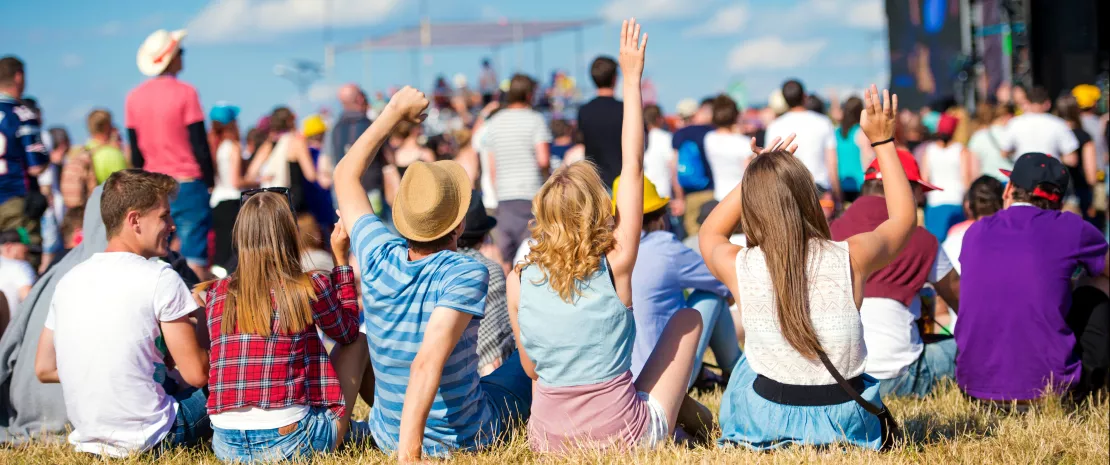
(80, 55)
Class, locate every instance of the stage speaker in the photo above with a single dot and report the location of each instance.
(1067, 44)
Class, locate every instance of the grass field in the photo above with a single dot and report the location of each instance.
(944, 428)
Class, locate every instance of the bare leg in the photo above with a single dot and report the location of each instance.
(667, 371)
(350, 362)
(696, 419)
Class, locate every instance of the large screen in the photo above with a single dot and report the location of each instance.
(925, 49)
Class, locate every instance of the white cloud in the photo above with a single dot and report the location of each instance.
(727, 20)
(859, 14)
(619, 10)
(867, 14)
(111, 28)
(322, 92)
(230, 20)
(771, 52)
(72, 60)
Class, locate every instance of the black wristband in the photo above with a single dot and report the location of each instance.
(876, 144)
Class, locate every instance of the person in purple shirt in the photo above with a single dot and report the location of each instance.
(659, 282)
(1020, 331)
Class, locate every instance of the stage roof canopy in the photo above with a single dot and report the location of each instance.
(484, 34)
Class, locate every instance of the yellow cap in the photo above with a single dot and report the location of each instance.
(652, 200)
(1086, 95)
(314, 125)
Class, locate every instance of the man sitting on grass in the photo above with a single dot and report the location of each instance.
(422, 303)
(898, 356)
(113, 317)
(1021, 327)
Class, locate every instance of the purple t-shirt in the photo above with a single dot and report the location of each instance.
(1015, 294)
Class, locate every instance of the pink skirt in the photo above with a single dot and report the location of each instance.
(603, 415)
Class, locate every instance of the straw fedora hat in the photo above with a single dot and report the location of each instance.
(432, 200)
(158, 50)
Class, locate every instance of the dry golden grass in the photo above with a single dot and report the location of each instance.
(943, 428)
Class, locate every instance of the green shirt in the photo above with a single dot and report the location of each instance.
(106, 159)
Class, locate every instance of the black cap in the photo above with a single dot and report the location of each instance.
(1034, 169)
(11, 236)
(478, 223)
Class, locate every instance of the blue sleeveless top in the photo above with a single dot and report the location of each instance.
(848, 162)
(587, 342)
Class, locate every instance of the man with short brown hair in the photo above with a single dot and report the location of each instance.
(22, 153)
(115, 319)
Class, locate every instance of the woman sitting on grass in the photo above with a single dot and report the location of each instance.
(569, 304)
(799, 295)
(273, 393)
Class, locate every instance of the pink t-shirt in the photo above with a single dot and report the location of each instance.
(160, 111)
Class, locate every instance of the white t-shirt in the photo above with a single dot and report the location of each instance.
(657, 159)
(814, 136)
(105, 317)
(889, 328)
(946, 172)
(1039, 132)
(15, 275)
(728, 155)
(489, 197)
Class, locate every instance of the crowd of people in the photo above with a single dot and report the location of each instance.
(466, 262)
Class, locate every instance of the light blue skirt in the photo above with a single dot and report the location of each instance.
(749, 420)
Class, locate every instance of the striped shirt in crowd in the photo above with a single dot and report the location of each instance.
(495, 334)
(512, 135)
(399, 296)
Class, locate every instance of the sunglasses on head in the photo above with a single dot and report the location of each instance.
(277, 190)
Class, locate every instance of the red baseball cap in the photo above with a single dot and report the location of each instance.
(909, 164)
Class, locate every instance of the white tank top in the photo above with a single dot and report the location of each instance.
(224, 190)
(275, 171)
(945, 173)
(832, 310)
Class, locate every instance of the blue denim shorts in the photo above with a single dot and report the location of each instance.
(315, 433)
(193, 217)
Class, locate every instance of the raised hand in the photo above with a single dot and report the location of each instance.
(777, 143)
(878, 117)
(340, 242)
(410, 104)
(632, 50)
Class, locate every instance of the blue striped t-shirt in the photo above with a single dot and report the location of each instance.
(399, 296)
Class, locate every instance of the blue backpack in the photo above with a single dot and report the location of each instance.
(692, 175)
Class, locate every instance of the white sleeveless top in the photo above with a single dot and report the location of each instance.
(832, 310)
(275, 171)
(945, 173)
(224, 190)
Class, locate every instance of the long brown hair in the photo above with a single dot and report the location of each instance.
(265, 234)
(573, 228)
(782, 213)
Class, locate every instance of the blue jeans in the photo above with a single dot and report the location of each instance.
(939, 218)
(718, 332)
(193, 217)
(317, 432)
(936, 362)
(191, 425)
(509, 391)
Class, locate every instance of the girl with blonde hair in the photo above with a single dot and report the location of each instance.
(274, 394)
(569, 304)
(801, 378)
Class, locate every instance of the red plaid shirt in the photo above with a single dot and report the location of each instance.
(248, 370)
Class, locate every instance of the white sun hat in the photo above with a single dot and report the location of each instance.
(158, 51)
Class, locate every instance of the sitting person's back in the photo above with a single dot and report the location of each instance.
(1014, 337)
(897, 354)
(109, 345)
(267, 314)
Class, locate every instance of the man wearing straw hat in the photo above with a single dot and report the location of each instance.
(165, 126)
(423, 302)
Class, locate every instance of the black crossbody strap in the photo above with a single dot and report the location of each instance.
(872, 408)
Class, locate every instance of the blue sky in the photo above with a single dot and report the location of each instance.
(81, 54)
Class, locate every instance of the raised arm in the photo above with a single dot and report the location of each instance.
(873, 250)
(407, 103)
(630, 197)
(713, 237)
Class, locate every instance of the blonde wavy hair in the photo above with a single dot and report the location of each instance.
(573, 228)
